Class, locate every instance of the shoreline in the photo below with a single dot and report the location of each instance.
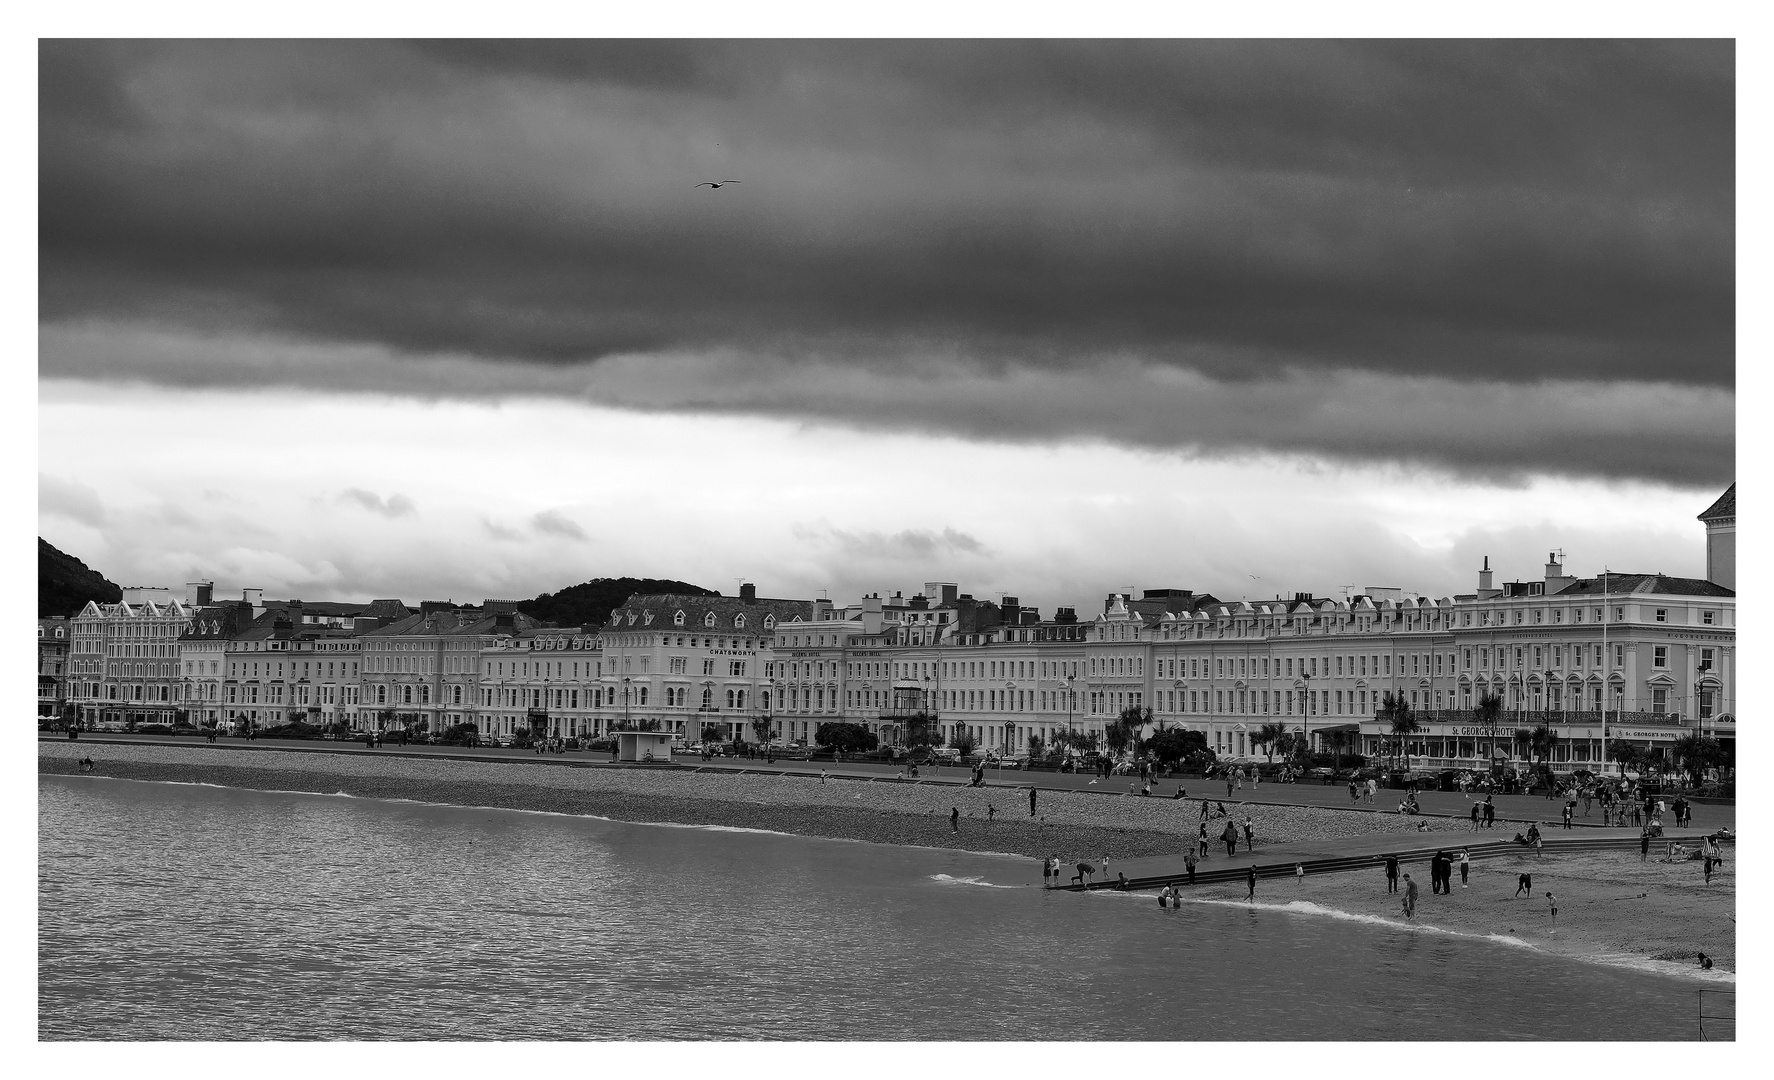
(990, 820)
(1613, 910)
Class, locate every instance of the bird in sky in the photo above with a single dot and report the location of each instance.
(714, 184)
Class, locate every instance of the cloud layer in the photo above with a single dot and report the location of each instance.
(1470, 255)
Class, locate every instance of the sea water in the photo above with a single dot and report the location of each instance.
(176, 911)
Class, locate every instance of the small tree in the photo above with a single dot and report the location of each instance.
(760, 727)
(1488, 717)
(1523, 739)
(1174, 746)
(1624, 754)
(1401, 717)
(1695, 753)
(963, 740)
(1268, 737)
(848, 738)
(712, 733)
(1124, 731)
(1037, 748)
(921, 730)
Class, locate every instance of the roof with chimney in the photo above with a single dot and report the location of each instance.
(1647, 584)
(660, 611)
(456, 621)
(1724, 507)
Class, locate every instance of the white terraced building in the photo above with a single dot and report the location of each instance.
(1656, 651)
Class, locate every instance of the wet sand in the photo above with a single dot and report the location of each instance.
(1609, 904)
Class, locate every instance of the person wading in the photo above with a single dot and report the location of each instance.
(1410, 897)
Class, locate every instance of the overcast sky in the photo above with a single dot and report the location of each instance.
(452, 320)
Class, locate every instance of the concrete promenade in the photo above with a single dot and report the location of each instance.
(1513, 811)
(1364, 854)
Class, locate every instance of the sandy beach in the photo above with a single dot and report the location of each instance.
(992, 819)
(1609, 904)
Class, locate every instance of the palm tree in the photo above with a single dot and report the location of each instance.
(1395, 708)
(1487, 715)
(1268, 737)
(1696, 753)
(1524, 741)
(1624, 753)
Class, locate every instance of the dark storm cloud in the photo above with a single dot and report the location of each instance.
(1253, 213)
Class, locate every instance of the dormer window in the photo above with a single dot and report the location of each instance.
(678, 619)
(709, 620)
(769, 622)
(739, 622)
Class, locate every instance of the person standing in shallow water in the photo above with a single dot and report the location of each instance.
(1250, 883)
(1410, 897)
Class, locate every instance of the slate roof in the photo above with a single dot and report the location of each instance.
(1724, 507)
(459, 621)
(1657, 584)
(665, 606)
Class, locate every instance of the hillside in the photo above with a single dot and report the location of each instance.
(65, 584)
(590, 604)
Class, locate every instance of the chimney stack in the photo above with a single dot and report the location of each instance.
(748, 593)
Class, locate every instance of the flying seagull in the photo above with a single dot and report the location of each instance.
(712, 184)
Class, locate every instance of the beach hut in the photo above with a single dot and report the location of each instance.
(643, 745)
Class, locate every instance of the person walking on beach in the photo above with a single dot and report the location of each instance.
(1250, 884)
(1490, 812)
(1465, 866)
(1047, 872)
(1391, 873)
(1570, 806)
(1250, 843)
(1644, 845)
(1524, 883)
(1475, 813)
(1230, 836)
(1435, 872)
(1299, 874)
(1189, 864)
(1553, 901)
(1410, 897)
(955, 819)
(1203, 837)
(1031, 801)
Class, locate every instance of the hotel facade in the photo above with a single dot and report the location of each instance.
(1655, 653)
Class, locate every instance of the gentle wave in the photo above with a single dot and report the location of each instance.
(1622, 960)
(982, 882)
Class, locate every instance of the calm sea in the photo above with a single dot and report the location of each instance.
(173, 911)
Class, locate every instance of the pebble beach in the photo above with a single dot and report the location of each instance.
(993, 819)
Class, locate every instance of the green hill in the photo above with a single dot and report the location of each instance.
(65, 584)
(590, 604)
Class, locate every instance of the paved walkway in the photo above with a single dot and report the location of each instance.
(1511, 808)
(1363, 853)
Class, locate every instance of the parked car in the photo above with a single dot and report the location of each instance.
(948, 755)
